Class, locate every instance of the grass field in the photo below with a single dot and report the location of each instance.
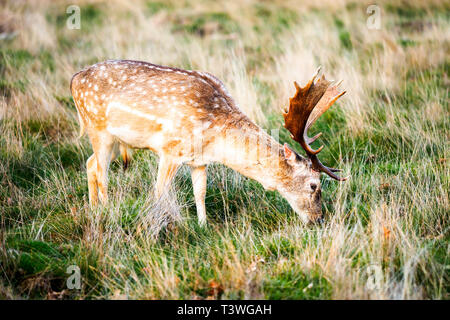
(386, 234)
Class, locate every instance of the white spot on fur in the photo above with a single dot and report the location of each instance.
(156, 140)
(125, 108)
(166, 123)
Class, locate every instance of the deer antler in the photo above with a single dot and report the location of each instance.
(305, 107)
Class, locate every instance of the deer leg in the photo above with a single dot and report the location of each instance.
(166, 171)
(103, 160)
(198, 175)
(91, 166)
(103, 144)
(126, 155)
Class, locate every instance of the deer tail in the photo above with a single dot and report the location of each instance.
(80, 118)
(82, 125)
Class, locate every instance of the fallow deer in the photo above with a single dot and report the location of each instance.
(188, 117)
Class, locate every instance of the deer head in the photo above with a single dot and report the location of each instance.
(302, 189)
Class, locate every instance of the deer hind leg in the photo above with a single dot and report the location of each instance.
(126, 153)
(91, 166)
(166, 172)
(103, 145)
(198, 175)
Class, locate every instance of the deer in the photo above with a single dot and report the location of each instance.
(189, 118)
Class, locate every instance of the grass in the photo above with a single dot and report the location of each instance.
(390, 131)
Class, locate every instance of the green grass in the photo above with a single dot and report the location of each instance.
(154, 7)
(204, 23)
(295, 285)
(390, 132)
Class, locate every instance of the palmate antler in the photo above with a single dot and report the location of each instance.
(305, 107)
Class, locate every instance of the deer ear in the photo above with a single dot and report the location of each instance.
(288, 153)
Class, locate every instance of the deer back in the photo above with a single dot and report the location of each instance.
(150, 106)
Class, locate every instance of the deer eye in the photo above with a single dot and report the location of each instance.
(313, 187)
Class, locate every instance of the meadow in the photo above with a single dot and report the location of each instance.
(386, 230)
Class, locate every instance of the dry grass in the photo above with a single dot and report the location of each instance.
(390, 221)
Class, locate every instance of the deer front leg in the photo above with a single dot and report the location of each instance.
(198, 175)
(166, 171)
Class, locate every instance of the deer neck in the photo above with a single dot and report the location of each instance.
(255, 154)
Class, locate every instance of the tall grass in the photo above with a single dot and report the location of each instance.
(386, 231)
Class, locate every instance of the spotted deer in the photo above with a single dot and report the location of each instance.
(188, 117)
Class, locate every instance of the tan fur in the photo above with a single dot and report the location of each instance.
(186, 117)
(126, 156)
